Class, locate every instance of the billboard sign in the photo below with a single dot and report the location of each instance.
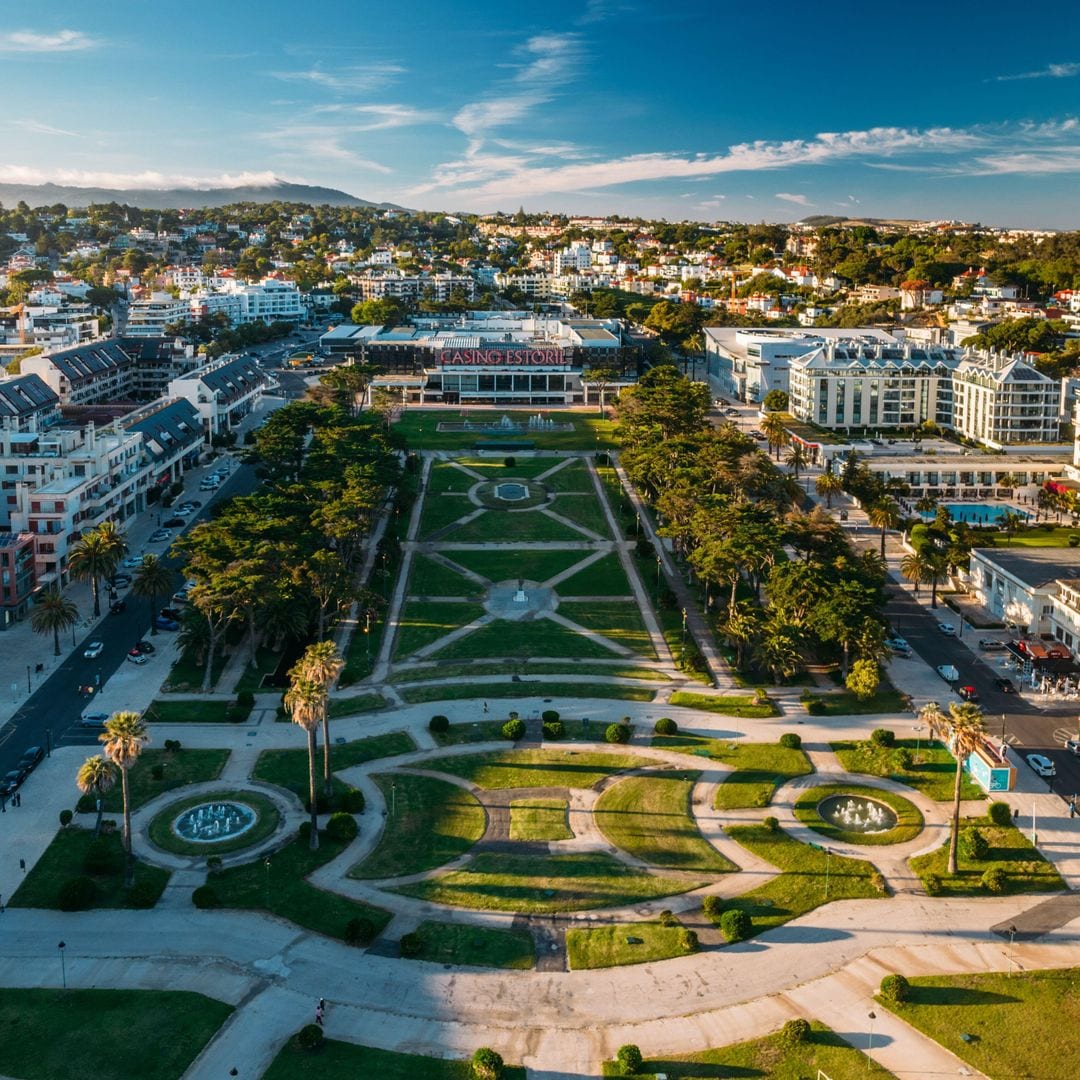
(501, 358)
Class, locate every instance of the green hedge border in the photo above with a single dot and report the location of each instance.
(267, 820)
(909, 820)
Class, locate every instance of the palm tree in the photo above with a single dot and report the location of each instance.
(798, 458)
(775, 432)
(926, 505)
(97, 554)
(778, 651)
(741, 628)
(829, 484)
(1010, 521)
(305, 700)
(884, 515)
(963, 729)
(54, 612)
(96, 776)
(913, 567)
(152, 579)
(937, 571)
(124, 738)
(321, 664)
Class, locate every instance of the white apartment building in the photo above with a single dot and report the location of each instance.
(413, 287)
(268, 301)
(534, 286)
(149, 317)
(223, 392)
(1023, 588)
(570, 259)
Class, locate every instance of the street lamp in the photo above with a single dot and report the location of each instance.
(658, 579)
(266, 863)
(63, 966)
(870, 1046)
(918, 729)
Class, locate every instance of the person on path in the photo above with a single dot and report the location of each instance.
(485, 708)
(319, 1009)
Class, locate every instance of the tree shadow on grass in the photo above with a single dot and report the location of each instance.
(958, 995)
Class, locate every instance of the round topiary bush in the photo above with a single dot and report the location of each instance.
(310, 1037)
(878, 883)
(688, 941)
(342, 827)
(932, 884)
(213, 864)
(816, 707)
(77, 894)
(87, 804)
(883, 737)
(994, 880)
(303, 832)
(771, 823)
(143, 894)
(895, 989)
(509, 462)
(736, 925)
(513, 729)
(205, 896)
(438, 724)
(904, 758)
(795, 1032)
(554, 729)
(549, 716)
(665, 726)
(487, 1064)
(235, 715)
(157, 771)
(359, 930)
(352, 801)
(172, 745)
(245, 699)
(999, 813)
(973, 845)
(617, 733)
(630, 1059)
(712, 907)
(411, 944)
(102, 858)
(65, 818)
(791, 741)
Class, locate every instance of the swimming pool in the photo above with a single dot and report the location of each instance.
(977, 513)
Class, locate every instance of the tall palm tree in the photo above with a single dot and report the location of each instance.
(152, 579)
(937, 571)
(306, 700)
(829, 484)
(962, 729)
(798, 458)
(913, 567)
(1010, 521)
(124, 738)
(95, 555)
(97, 777)
(321, 664)
(54, 612)
(926, 505)
(742, 628)
(884, 515)
(778, 650)
(775, 431)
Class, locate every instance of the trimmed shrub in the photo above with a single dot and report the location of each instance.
(487, 1064)
(617, 733)
(549, 716)
(509, 462)
(438, 724)
(932, 883)
(904, 758)
(816, 707)
(65, 818)
(359, 931)
(513, 729)
(795, 1032)
(143, 894)
(213, 864)
(666, 726)
(554, 729)
(667, 918)
(102, 858)
(352, 801)
(736, 925)
(205, 896)
(630, 1059)
(172, 745)
(310, 1037)
(999, 813)
(235, 715)
(878, 883)
(245, 699)
(688, 939)
(411, 944)
(87, 804)
(303, 831)
(791, 741)
(895, 989)
(883, 737)
(994, 880)
(973, 845)
(712, 907)
(771, 824)
(342, 827)
(157, 772)
(77, 894)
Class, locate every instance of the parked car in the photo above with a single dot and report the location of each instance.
(990, 645)
(119, 581)
(1072, 746)
(947, 629)
(192, 504)
(118, 606)
(948, 672)
(93, 720)
(1006, 686)
(32, 755)
(133, 562)
(94, 650)
(183, 510)
(170, 613)
(146, 647)
(160, 536)
(1041, 764)
(899, 646)
(968, 693)
(166, 624)
(136, 657)
(175, 523)
(10, 783)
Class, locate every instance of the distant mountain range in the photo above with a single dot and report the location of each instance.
(181, 198)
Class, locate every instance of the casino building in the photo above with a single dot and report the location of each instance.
(490, 357)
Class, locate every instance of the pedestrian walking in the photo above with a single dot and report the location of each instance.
(485, 708)
(1072, 807)
(319, 1009)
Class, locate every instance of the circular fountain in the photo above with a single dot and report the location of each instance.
(511, 491)
(857, 814)
(213, 822)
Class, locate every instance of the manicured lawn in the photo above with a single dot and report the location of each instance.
(430, 578)
(760, 768)
(428, 823)
(625, 943)
(423, 622)
(63, 859)
(192, 711)
(845, 703)
(186, 674)
(477, 731)
(266, 663)
(531, 884)
(104, 1034)
(725, 705)
(487, 493)
(446, 476)
(502, 769)
(475, 946)
(282, 890)
(801, 886)
(824, 1053)
(361, 651)
(502, 526)
(458, 692)
(1026, 871)
(649, 817)
(179, 767)
(267, 820)
(909, 822)
(342, 707)
(605, 577)
(347, 1061)
(933, 773)
(442, 510)
(1057, 536)
(615, 669)
(583, 510)
(539, 819)
(420, 430)
(501, 565)
(539, 637)
(619, 621)
(1024, 1023)
(528, 467)
(571, 477)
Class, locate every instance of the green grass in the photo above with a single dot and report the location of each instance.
(442, 670)
(417, 695)
(605, 577)
(282, 890)
(725, 705)
(442, 510)
(266, 663)
(583, 510)
(475, 946)
(608, 946)
(1022, 1024)
(63, 860)
(429, 822)
(618, 620)
(1057, 537)
(801, 886)
(423, 622)
(419, 427)
(186, 674)
(347, 1061)
(266, 822)
(537, 637)
(1026, 871)
(845, 703)
(537, 885)
(445, 476)
(933, 775)
(539, 819)
(430, 578)
(477, 731)
(909, 822)
(341, 707)
(572, 477)
(180, 767)
(502, 565)
(361, 652)
(505, 527)
(106, 1034)
(760, 768)
(823, 1053)
(501, 769)
(649, 817)
(161, 711)
(617, 499)
(524, 467)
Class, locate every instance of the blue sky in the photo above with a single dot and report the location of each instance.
(690, 109)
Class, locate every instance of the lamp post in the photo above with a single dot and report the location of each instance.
(63, 965)
(658, 579)
(1012, 937)
(870, 1046)
(266, 864)
(28, 686)
(684, 628)
(918, 729)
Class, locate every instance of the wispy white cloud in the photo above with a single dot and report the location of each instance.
(150, 179)
(36, 127)
(376, 117)
(321, 144)
(31, 41)
(798, 200)
(357, 79)
(1051, 71)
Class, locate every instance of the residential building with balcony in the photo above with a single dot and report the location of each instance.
(100, 371)
(17, 580)
(28, 403)
(222, 392)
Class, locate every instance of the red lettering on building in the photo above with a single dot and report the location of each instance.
(502, 357)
